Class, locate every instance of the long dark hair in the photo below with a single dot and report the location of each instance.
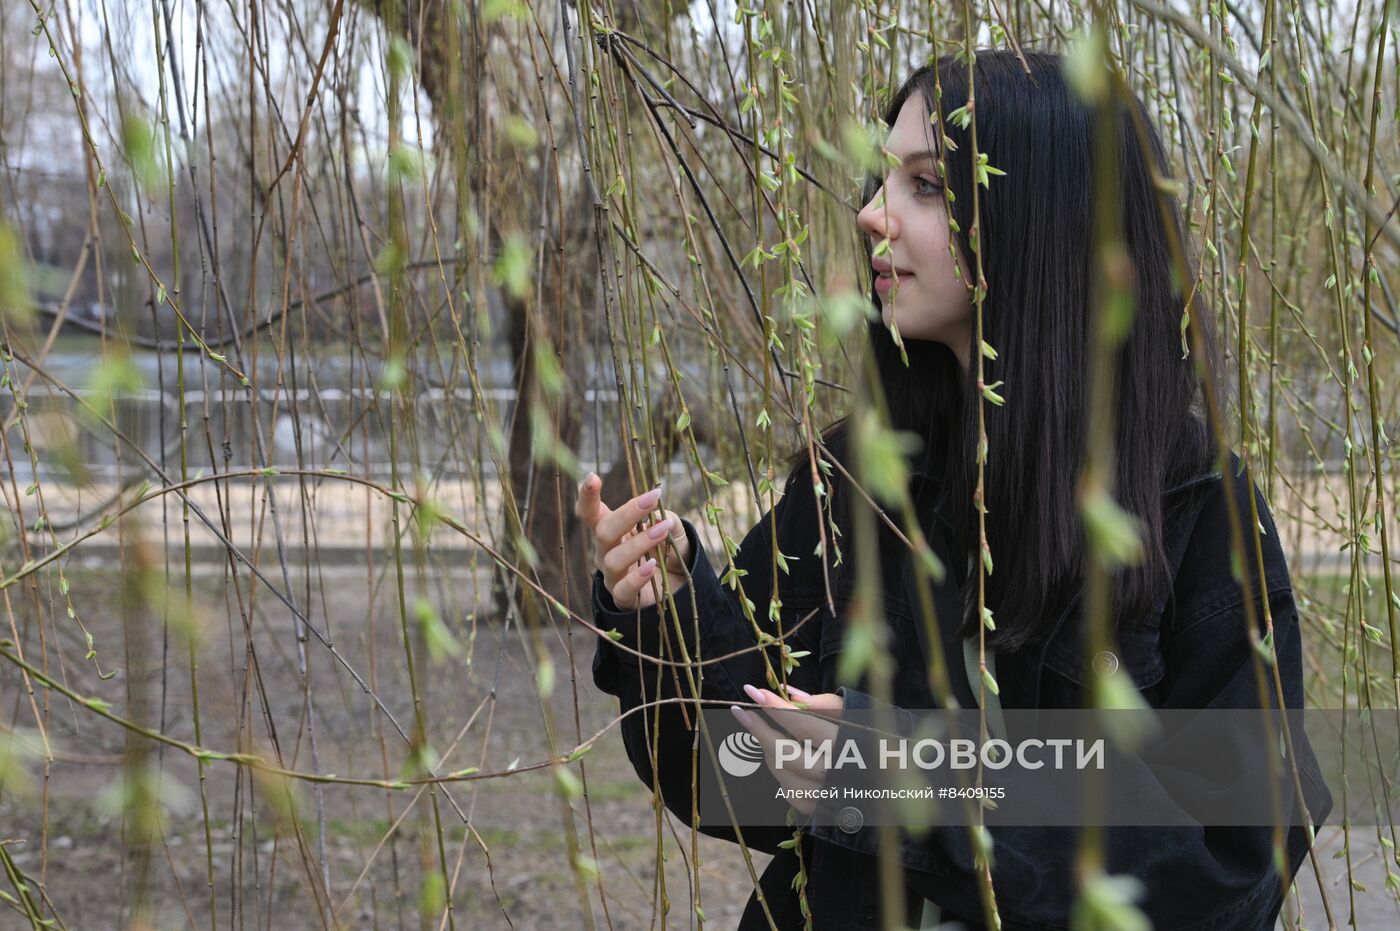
(1036, 227)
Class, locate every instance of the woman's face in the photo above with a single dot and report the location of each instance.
(928, 302)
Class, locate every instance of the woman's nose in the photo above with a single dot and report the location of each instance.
(876, 219)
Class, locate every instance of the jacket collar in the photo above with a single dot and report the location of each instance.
(1197, 479)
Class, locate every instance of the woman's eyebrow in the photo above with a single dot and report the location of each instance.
(915, 158)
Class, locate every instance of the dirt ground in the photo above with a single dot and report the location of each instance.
(507, 847)
(512, 868)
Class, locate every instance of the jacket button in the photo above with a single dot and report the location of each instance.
(1105, 663)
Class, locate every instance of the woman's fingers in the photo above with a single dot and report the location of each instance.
(791, 775)
(590, 507)
(626, 592)
(620, 547)
(612, 526)
(813, 722)
(634, 548)
(802, 727)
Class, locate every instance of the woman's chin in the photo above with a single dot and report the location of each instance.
(908, 332)
(887, 314)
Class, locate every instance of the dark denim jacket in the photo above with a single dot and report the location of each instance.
(1192, 654)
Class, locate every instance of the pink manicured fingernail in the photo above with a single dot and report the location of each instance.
(660, 530)
(740, 714)
(754, 693)
(794, 690)
(648, 567)
(648, 501)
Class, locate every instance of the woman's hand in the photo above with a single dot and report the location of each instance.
(621, 547)
(803, 727)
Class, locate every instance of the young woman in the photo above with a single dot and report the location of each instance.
(1180, 629)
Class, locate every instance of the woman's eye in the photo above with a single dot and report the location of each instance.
(926, 187)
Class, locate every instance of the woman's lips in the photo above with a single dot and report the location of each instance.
(885, 282)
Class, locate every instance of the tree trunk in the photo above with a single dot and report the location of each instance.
(538, 492)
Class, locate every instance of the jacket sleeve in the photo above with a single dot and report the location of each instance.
(1195, 877)
(722, 629)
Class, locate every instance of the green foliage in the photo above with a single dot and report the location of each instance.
(882, 457)
(1106, 903)
(21, 749)
(1113, 534)
(15, 307)
(513, 270)
(436, 637)
(139, 145)
(1086, 65)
